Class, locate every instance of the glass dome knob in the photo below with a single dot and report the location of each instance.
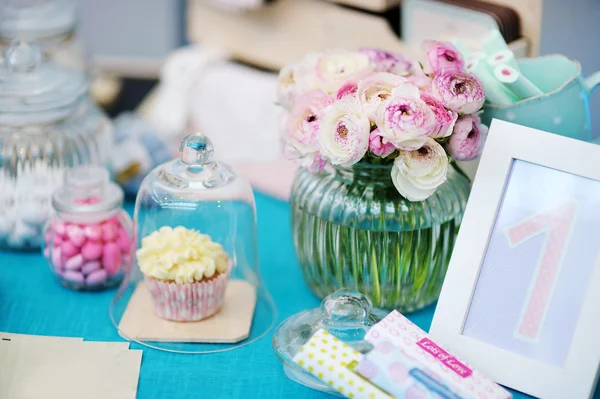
(346, 307)
(22, 56)
(196, 149)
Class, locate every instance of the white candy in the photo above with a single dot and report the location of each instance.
(24, 231)
(16, 241)
(33, 213)
(6, 224)
(25, 203)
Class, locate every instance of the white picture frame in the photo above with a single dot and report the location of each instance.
(575, 376)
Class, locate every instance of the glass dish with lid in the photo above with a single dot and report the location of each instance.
(195, 285)
(346, 314)
(47, 123)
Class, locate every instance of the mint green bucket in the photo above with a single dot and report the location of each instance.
(563, 108)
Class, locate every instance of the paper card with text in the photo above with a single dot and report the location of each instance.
(388, 367)
(438, 363)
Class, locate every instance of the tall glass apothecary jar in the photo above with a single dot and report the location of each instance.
(47, 123)
(195, 286)
(52, 24)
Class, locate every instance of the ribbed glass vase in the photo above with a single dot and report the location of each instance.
(353, 229)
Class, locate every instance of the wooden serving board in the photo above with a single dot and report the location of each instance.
(231, 324)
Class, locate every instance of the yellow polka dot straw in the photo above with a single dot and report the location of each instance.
(326, 357)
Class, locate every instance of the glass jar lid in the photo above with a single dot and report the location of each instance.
(33, 90)
(346, 314)
(87, 189)
(36, 19)
(196, 169)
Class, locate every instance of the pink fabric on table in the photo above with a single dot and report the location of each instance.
(274, 178)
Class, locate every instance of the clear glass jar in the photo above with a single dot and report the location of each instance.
(50, 23)
(353, 229)
(47, 124)
(195, 226)
(89, 241)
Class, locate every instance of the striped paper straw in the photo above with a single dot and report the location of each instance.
(494, 42)
(495, 92)
(505, 57)
(462, 47)
(516, 82)
(478, 55)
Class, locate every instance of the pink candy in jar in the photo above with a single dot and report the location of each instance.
(89, 241)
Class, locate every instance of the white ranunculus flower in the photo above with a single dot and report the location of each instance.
(286, 85)
(344, 133)
(375, 89)
(417, 174)
(295, 80)
(334, 67)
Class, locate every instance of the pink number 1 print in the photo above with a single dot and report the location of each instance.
(557, 225)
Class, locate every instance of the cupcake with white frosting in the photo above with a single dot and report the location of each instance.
(186, 272)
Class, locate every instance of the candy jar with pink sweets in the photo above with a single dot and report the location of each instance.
(89, 240)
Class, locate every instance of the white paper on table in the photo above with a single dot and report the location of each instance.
(39, 368)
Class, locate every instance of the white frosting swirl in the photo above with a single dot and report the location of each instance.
(181, 255)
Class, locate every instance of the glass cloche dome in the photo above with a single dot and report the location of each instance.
(195, 285)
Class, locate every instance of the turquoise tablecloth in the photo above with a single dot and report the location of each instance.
(32, 302)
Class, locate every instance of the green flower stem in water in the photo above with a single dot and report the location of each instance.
(353, 229)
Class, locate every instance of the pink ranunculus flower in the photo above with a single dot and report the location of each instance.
(422, 82)
(467, 138)
(302, 123)
(459, 91)
(334, 67)
(349, 88)
(378, 147)
(405, 120)
(419, 79)
(375, 89)
(344, 133)
(387, 61)
(314, 163)
(444, 117)
(440, 56)
(347, 91)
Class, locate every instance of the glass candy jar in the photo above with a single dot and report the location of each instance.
(89, 241)
(47, 123)
(352, 228)
(50, 23)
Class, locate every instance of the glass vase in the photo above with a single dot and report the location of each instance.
(352, 228)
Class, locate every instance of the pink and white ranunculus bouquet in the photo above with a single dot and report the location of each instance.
(379, 107)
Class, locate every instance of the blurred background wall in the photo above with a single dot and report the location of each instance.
(572, 27)
(146, 30)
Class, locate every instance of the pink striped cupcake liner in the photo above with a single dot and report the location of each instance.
(189, 301)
